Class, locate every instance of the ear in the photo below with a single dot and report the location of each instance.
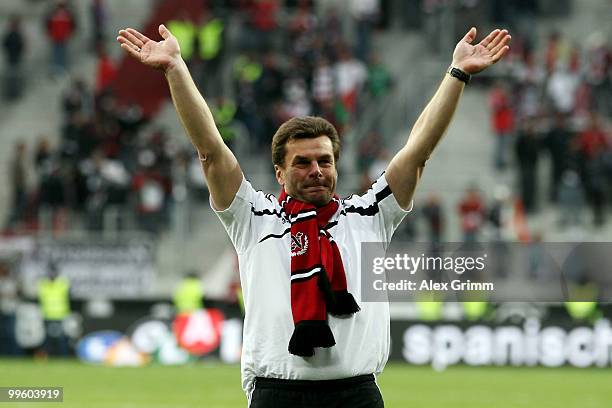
(279, 172)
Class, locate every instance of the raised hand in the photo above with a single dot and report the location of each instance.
(157, 54)
(475, 58)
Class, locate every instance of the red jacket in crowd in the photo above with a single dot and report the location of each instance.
(61, 24)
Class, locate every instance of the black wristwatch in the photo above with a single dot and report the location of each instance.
(459, 74)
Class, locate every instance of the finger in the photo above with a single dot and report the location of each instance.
(504, 41)
(131, 49)
(489, 38)
(132, 38)
(164, 32)
(471, 34)
(501, 53)
(138, 35)
(127, 45)
(497, 40)
(122, 40)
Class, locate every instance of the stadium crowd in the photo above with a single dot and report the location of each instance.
(555, 100)
(288, 60)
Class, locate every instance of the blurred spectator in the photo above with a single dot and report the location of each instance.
(499, 214)
(107, 183)
(52, 193)
(322, 83)
(42, 155)
(561, 89)
(592, 140)
(61, 25)
(350, 76)
(556, 52)
(106, 71)
(9, 300)
(189, 294)
(184, 30)
(368, 150)
(13, 43)
(529, 77)
(210, 40)
(471, 212)
(571, 199)
(332, 31)
(558, 142)
(302, 32)
(296, 97)
(75, 134)
(499, 217)
(54, 301)
(77, 98)
(99, 18)
(269, 84)
(17, 174)
(502, 121)
(152, 190)
(596, 186)
(335, 112)
(598, 72)
(224, 113)
(262, 19)
(593, 151)
(527, 149)
(434, 219)
(379, 78)
(365, 14)
(248, 72)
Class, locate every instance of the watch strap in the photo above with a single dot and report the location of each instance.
(459, 74)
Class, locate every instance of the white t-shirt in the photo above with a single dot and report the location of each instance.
(260, 232)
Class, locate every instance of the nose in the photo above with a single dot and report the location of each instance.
(315, 170)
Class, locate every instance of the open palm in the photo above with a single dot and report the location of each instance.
(475, 58)
(157, 54)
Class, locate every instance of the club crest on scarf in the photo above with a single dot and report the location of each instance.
(299, 244)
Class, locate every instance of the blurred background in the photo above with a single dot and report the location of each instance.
(110, 252)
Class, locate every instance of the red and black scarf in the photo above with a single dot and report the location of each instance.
(318, 281)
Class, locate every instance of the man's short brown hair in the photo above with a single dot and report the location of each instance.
(307, 127)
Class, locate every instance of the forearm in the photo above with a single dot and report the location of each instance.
(433, 121)
(405, 169)
(193, 111)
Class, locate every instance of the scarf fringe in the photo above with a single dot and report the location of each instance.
(344, 304)
(309, 334)
(338, 302)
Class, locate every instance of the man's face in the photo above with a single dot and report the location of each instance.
(309, 172)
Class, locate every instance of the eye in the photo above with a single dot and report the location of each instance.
(325, 162)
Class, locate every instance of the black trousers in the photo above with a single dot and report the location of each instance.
(354, 392)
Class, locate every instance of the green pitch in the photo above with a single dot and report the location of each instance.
(218, 386)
